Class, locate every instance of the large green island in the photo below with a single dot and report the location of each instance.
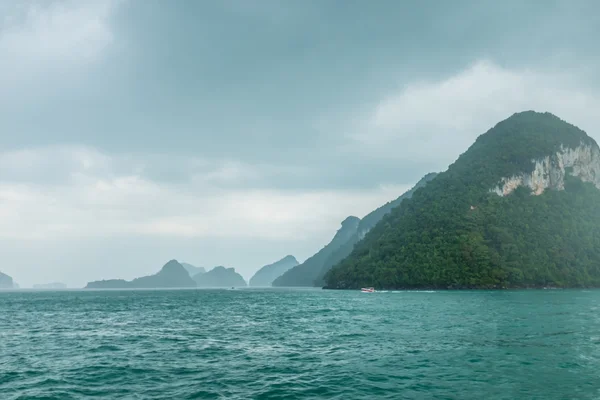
(519, 209)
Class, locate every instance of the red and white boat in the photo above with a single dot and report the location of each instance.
(367, 290)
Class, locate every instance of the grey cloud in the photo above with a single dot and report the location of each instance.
(63, 165)
(202, 78)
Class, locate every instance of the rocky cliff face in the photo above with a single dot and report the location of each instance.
(549, 172)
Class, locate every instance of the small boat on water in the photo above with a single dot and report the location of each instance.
(367, 290)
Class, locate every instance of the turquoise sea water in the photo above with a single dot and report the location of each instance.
(296, 344)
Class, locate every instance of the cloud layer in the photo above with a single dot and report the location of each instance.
(44, 36)
(42, 30)
(78, 192)
(440, 119)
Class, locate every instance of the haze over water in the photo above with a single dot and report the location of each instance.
(275, 344)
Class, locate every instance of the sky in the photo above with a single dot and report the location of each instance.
(236, 132)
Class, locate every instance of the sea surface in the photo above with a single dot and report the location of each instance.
(299, 344)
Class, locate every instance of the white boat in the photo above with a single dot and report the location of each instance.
(367, 290)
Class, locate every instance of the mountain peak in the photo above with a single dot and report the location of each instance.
(171, 265)
(517, 145)
(528, 114)
(289, 257)
(351, 220)
(544, 127)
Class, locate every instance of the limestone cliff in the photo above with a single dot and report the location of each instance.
(549, 172)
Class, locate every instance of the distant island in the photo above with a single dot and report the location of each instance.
(267, 274)
(519, 209)
(220, 277)
(6, 282)
(53, 285)
(172, 275)
(109, 284)
(176, 275)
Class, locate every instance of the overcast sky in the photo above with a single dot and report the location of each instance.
(236, 132)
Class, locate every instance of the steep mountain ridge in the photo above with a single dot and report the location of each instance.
(306, 273)
(365, 225)
(312, 271)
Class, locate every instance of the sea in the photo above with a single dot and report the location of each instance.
(299, 344)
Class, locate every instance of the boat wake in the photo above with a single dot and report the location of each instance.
(413, 291)
(372, 290)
